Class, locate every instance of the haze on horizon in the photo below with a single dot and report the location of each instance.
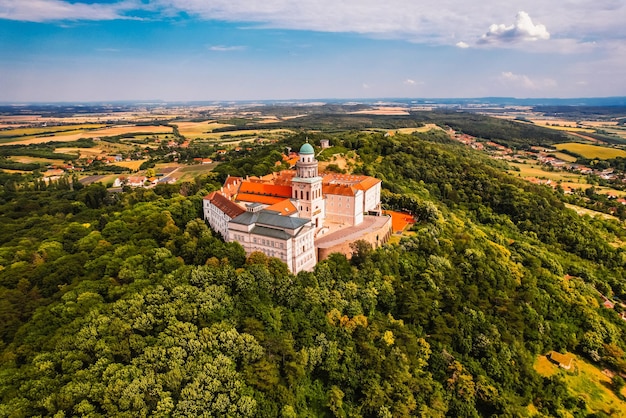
(185, 50)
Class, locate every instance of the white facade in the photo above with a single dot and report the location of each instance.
(216, 218)
(371, 198)
(345, 208)
(289, 239)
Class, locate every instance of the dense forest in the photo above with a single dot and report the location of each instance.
(127, 304)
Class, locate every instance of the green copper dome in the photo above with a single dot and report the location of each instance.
(306, 149)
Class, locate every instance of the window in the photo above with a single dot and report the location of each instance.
(307, 196)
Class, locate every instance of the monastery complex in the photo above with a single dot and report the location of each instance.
(299, 216)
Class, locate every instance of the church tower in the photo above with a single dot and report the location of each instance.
(307, 187)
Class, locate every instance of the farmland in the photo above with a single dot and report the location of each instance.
(591, 151)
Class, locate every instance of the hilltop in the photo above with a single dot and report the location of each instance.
(125, 303)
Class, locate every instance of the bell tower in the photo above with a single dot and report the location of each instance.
(307, 187)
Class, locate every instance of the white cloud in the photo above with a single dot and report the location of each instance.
(224, 48)
(524, 82)
(55, 10)
(523, 30)
(409, 82)
(517, 79)
(434, 22)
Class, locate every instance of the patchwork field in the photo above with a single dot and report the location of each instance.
(26, 132)
(83, 152)
(201, 130)
(64, 133)
(588, 382)
(591, 151)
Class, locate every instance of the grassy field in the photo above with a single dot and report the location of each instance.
(565, 157)
(591, 151)
(191, 171)
(83, 152)
(200, 130)
(29, 132)
(588, 382)
(528, 170)
(570, 129)
(425, 128)
(30, 160)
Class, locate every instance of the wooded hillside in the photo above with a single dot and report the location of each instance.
(129, 305)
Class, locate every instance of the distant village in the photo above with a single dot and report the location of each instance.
(544, 156)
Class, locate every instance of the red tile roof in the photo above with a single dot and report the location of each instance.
(265, 189)
(360, 182)
(231, 209)
(285, 207)
(338, 189)
(255, 198)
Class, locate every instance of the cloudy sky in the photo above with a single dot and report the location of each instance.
(177, 50)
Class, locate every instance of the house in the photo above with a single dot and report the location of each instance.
(132, 181)
(564, 361)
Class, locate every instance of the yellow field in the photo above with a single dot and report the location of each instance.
(565, 157)
(40, 140)
(425, 128)
(133, 165)
(233, 134)
(127, 129)
(591, 151)
(48, 129)
(29, 160)
(571, 129)
(198, 129)
(83, 152)
(586, 381)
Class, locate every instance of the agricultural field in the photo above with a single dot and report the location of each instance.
(82, 152)
(191, 171)
(200, 130)
(133, 165)
(534, 170)
(44, 130)
(588, 382)
(565, 157)
(65, 133)
(591, 151)
(427, 127)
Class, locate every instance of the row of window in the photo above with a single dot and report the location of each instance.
(305, 260)
(268, 243)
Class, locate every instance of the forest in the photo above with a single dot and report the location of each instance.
(127, 304)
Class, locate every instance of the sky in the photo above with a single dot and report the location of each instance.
(205, 50)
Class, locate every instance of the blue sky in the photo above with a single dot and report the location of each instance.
(178, 50)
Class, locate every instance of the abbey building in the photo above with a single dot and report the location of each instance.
(291, 214)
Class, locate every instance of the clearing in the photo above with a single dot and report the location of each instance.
(588, 382)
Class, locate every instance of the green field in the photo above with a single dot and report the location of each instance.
(588, 382)
(591, 151)
(528, 170)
